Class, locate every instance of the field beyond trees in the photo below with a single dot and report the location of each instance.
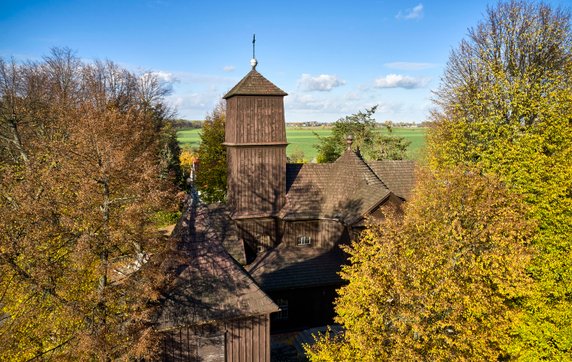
(304, 138)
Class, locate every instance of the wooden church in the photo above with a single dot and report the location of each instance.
(268, 260)
(291, 218)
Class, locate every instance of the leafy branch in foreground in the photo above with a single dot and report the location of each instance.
(440, 282)
(83, 170)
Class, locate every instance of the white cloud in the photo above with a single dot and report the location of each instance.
(410, 65)
(193, 105)
(400, 81)
(305, 102)
(327, 107)
(166, 77)
(329, 104)
(195, 94)
(228, 68)
(410, 14)
(322, 82)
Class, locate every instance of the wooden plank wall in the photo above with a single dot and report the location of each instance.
(255, 119)
(256, 179)
(252, 231)
(324, 233)
(240, 340)
(255, 135)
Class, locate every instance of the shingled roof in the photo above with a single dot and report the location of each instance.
(287, 267)
(397, 175)
(345, 190)
(207, 285)
(254, 84)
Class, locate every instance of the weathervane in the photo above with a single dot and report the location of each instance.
(253, 61)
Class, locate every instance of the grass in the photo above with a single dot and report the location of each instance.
(189, 138)
(304, 139)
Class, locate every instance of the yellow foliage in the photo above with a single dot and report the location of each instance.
(505, 107)
(438, 283)
(187, 159)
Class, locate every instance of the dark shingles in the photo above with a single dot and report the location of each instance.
(290, 267)
(226, 230)
(255, 84)
(345, 190)
(398, 175)
(207, 284)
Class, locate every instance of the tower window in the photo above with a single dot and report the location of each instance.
(304, 240)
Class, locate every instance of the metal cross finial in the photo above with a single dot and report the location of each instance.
(253, 61)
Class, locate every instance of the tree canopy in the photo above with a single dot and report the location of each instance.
(479, 267)
(367, 137)
(212, 172)
(505, 106)
(439, 282)
(85, 163)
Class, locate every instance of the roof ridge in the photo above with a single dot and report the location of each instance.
(363, 163)
(375, 174)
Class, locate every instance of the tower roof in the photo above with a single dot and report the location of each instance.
(254, 84)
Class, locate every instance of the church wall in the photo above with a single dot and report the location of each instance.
(303, 308)
(258, 234)
(322, 233)
(245, 339)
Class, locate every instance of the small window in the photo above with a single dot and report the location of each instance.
(283, 313)
(304, 240)
(263, 243)
(265, 240)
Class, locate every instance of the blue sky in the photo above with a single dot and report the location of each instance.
(333, 58)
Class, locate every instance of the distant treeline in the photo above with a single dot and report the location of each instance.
(187, 124)
(381, 124)
(197, 124)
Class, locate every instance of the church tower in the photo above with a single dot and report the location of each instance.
(255, 139)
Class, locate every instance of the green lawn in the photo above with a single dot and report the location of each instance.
(189, 138)
(304, 139)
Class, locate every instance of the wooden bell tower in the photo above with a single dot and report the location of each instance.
(255, 137)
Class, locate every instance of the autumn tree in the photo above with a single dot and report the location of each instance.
(367, 136)
(296, 156)
(82, 172)
(212, 172)
(187, 159)
(505, 106)
(440, 282)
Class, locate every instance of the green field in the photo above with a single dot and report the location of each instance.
(304, 139)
